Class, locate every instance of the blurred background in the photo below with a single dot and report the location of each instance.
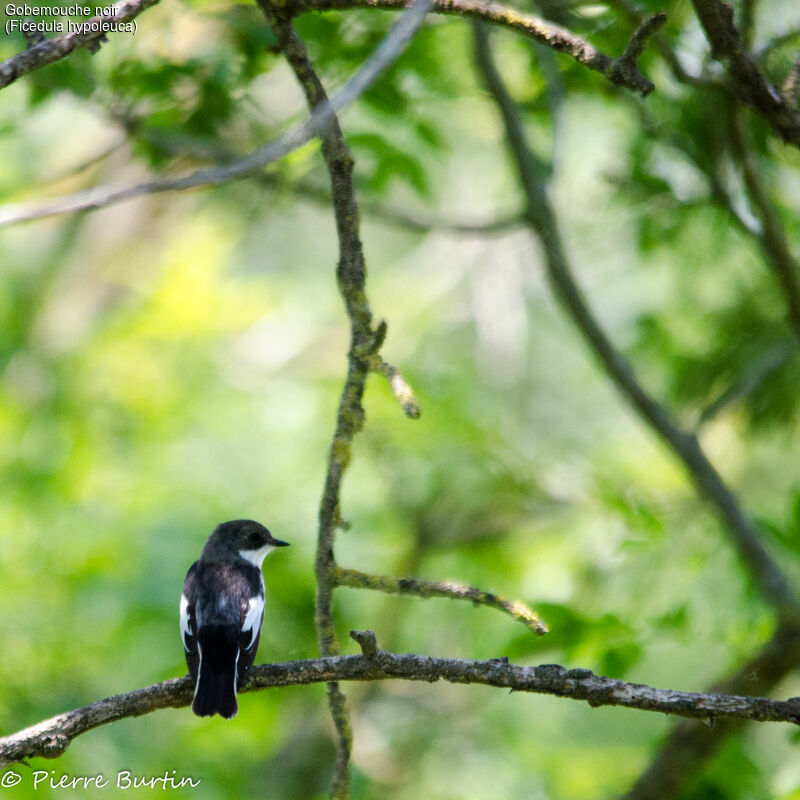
(175, 361)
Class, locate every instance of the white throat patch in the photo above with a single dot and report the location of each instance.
(256, 557)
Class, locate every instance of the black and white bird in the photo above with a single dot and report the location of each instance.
(222, 607)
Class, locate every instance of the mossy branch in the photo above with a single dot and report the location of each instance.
(455, 591)
(403, 393)
(351, 275)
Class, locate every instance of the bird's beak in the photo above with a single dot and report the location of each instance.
(279, 543)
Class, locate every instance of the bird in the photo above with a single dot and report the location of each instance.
(221, 611)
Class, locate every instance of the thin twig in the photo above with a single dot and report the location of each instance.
(399, 386)
(547, 33)
(203, 149)
(764, 569)
(304, 189)
(457, 591)
(646, 29)
(667, 53)
(51, 737)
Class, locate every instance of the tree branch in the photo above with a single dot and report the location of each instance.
(622, 71)
(303, 189)
(51, 737)
(50, 50)
(662, 45)
(689, 746)
(765, 571)
(626, 67)
(351, 276)
(458, 591)
(766, 229)
(748, 83)
(384, 54)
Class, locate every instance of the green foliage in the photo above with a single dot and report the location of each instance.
(176, 361)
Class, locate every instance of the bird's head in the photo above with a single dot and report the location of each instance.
(243, 537)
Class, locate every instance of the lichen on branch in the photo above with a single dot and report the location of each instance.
(50, 738)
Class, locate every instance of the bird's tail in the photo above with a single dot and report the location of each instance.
(215, 693)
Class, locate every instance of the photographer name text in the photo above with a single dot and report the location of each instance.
(124, 779)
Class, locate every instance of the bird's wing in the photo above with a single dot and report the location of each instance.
(188, 619)
(252, 615)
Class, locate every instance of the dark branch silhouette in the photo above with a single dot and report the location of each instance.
(687, 747)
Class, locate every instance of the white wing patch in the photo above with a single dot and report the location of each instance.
(185, 626)
(252, 620)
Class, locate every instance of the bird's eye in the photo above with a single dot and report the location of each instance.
(254, 538)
